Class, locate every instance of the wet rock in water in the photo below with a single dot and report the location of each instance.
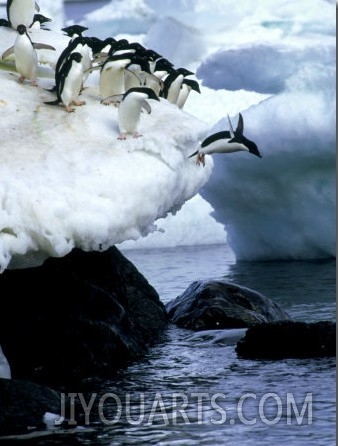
(219, 304)
(23, 405)
(288, 339)
(76, 317)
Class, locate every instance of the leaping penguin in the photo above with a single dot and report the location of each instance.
(226, 142)
(26, 59)
(69, 82)
(129, 112)
(21, 12)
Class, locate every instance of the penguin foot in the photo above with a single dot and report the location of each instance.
(21, 79)
(137, 135)
(106, 102)
(70, 109)
(200, 159)
(79, 103)
(122, 136)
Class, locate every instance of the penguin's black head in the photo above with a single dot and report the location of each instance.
(76, 56)
(74, 29)
(151, 94)
(252, 148)
(194, 85)
(152, 55)
(184, 71)
(148, 91)
(41, 18)
(21, 29)
(163, 64)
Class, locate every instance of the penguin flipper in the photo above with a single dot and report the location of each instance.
(52, 90)
(90, 69)
(114, 98)
(146, 107)
(8, 52)
(43, 46)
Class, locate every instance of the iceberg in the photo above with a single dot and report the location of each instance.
(66, 180)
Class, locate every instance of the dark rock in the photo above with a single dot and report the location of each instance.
(23, 405)
(288, 339)
(218, 304)
(75, 317)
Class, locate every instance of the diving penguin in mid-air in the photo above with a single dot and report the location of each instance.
(26, 59)
(226, 142)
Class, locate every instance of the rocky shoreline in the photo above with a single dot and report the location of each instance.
(88, 314)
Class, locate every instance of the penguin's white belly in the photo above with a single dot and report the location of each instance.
(86, 60)
(223, 146)
(129, 116)
(22, 12)
(183, 95)
(174, 89)
(72, 85)
(26, 59)
(111, 82)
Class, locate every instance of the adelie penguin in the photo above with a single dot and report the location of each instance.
(172, 84)
(21, 12)
(129, 112)
(38, 22)
(26, 59)
(69, 83)
(186, 87)
(226, 142)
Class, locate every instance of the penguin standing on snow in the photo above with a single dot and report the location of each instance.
(21, 12)
(26, 59)
(129, 113)
(69, 82)
(172, 84)
(226, 142)
(186, 87)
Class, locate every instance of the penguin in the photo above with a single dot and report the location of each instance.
(172, 84)
(75, 33)
(38, 22)
(69, 82)
(26, 59)
(186, 87)
(226, 142)
(129, 112)
(74, 30)
(21, 12)
(112, 76)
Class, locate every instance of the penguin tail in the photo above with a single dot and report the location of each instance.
(56, 102)
(52, 90)
(193, 154)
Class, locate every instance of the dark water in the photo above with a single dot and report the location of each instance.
(191, 389)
